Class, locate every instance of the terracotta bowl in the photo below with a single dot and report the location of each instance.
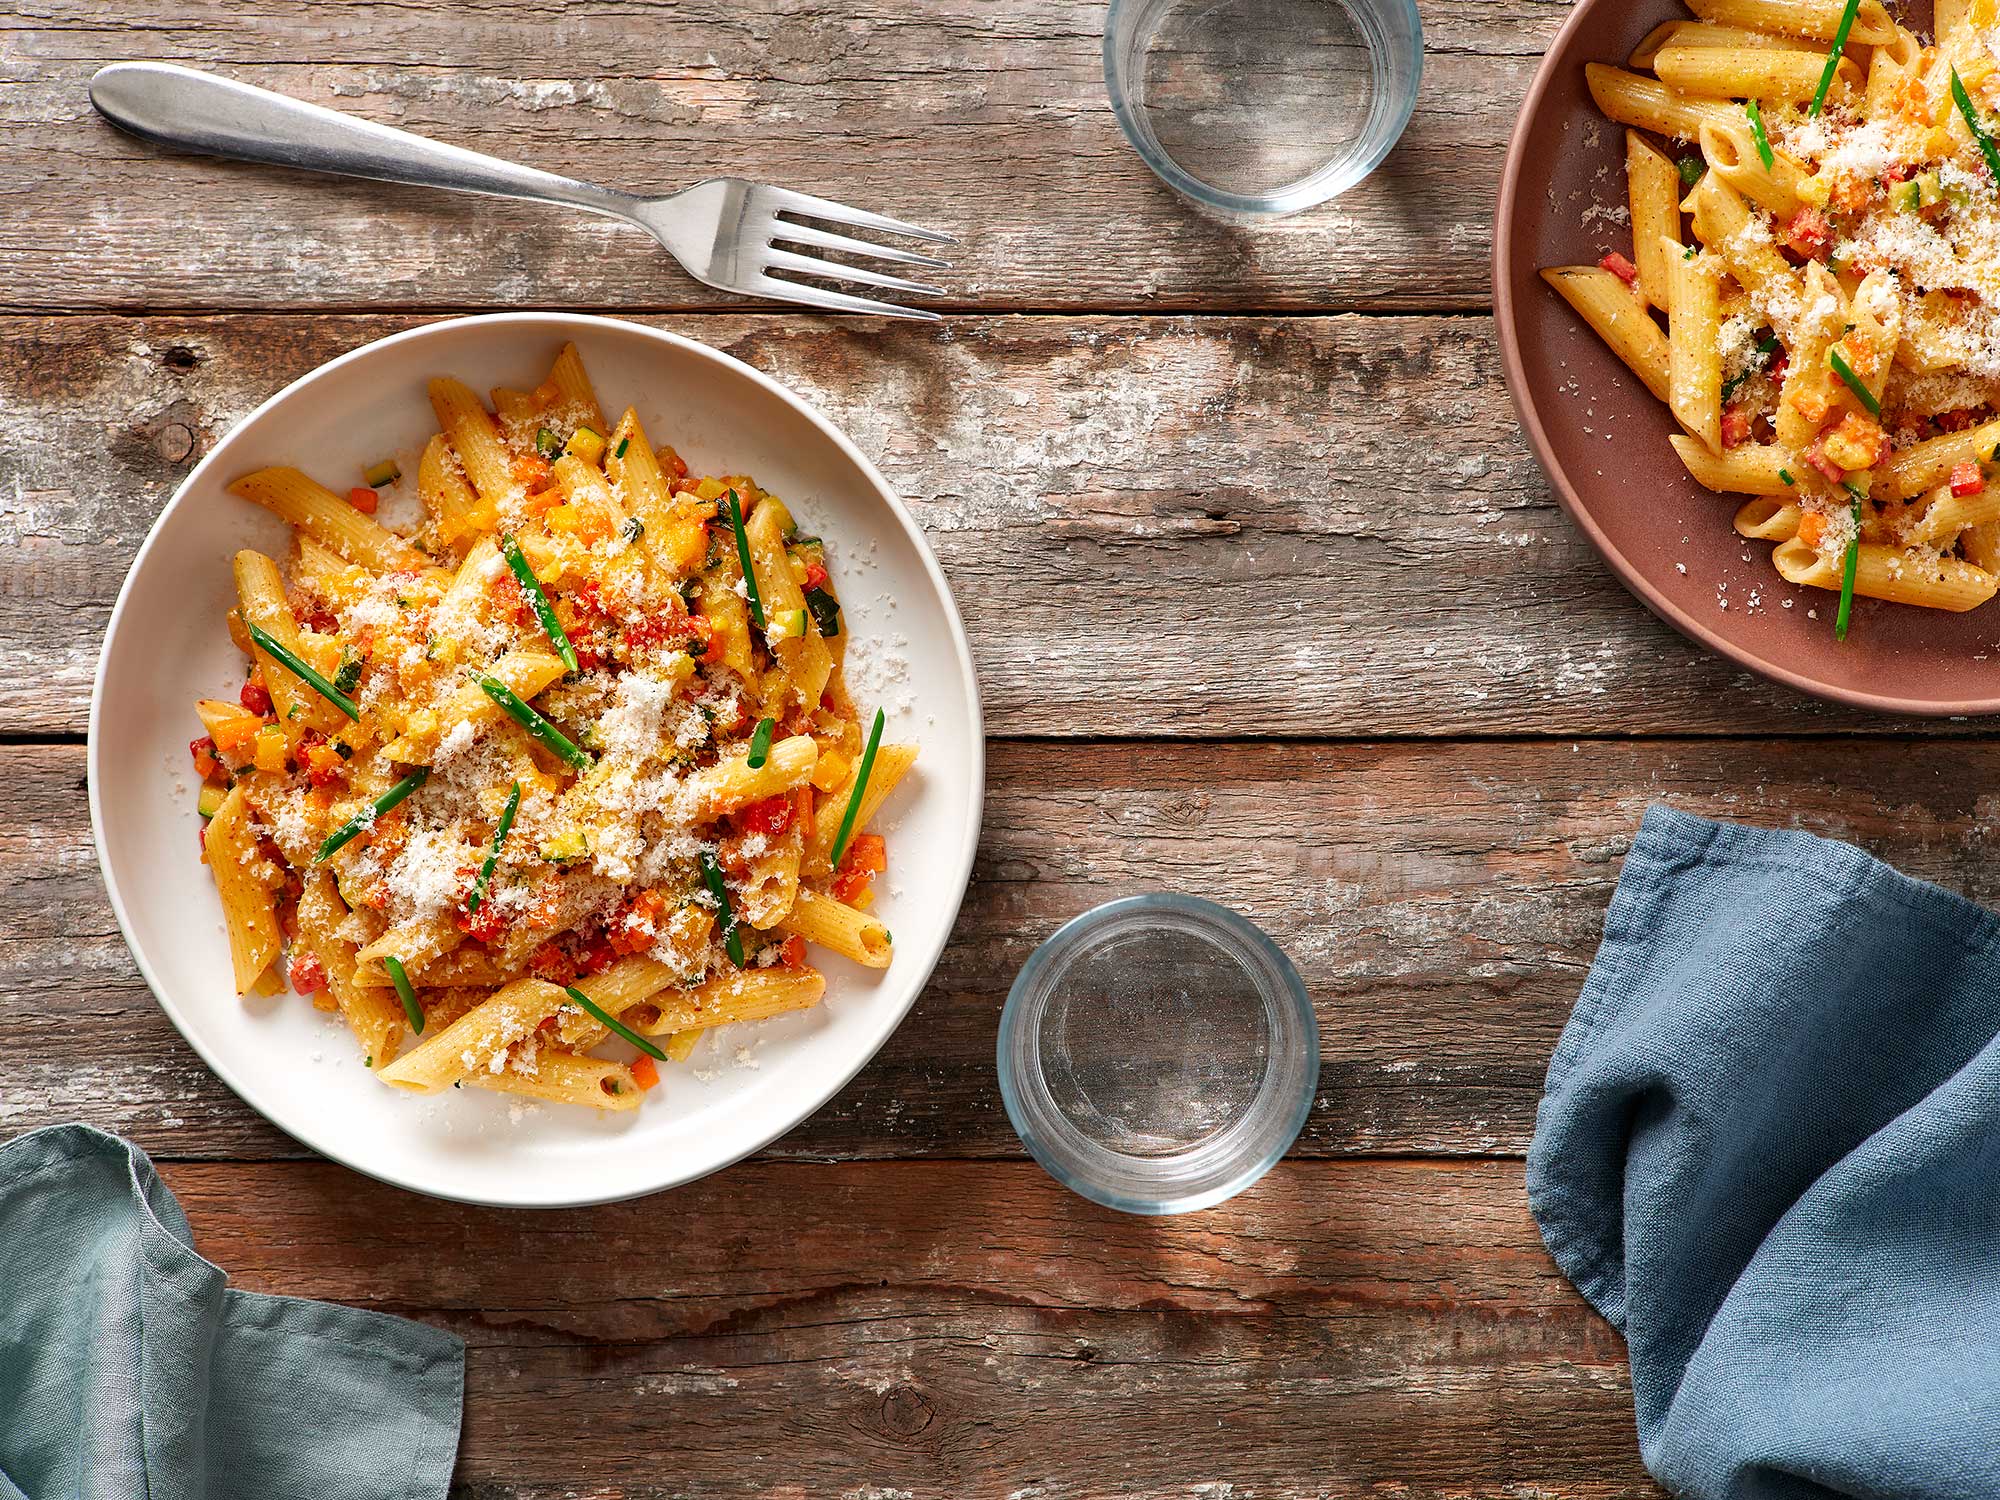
(1602, 438)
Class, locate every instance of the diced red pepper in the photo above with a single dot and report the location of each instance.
(848, 883)
(1735, 427)
(599, 956)
(484, 925)
(1967, 478)
(255, 696)
(1809, 233)
(792, 952)
(308, 974)
(1957, 421)
(646, 1073)
(772, 816)
(1622, 268)
(205, 763)
(551, 963)
(815, 576)
(672, 464)
(363, 499)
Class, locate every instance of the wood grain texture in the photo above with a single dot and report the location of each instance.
(1213, 527)
(1441, 901)
(954, 1330)
(984, 118)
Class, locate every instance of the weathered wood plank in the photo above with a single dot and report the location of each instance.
(988, 120)
(940, 1330)
(1209, 527)
(1441, 901)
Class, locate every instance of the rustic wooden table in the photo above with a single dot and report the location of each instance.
(1268, 600)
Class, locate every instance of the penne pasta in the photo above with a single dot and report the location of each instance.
(328, 519)
(557, 793)
(1619, 318)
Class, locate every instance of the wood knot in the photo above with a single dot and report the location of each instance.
(173, 443)
(906, 1413)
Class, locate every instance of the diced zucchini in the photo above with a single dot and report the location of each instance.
(789, 626)
(825, 611)
(547, 443)
(566, 847)
(386, 472)
(208, 801)
(585, 444)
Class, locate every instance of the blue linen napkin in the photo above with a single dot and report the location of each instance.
(128, 1368)
(1769, 1152)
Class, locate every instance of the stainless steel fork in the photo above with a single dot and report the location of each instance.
(726, 232)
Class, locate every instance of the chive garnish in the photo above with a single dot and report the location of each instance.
(743, 556)
(1757, 134)
(1978, 130)
(493, 854)
(1786, 475)
(1833, 57)
(1690, 168)
(760, 742)
(539, 601)
(1853, 382)
(545, 733)
(290, 660)
(600, 1013)
(711, 875)
(1847, 576)
(860, 789)
(404, 993)
(619, 452)
(355, 826)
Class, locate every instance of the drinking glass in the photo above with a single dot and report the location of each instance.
(1254, 108)
(1158, 1054)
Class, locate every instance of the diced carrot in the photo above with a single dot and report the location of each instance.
(234, 733)
(1812, 529)
(363, 499)
(792, 952)
(532, 471)
(646, 1073)
(866, 851)
(548, 393)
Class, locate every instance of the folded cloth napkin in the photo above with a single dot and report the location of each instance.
(1769, 1152)
(128, 1369)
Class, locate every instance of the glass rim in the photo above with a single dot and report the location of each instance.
(1219, 1167)
(1315, 188)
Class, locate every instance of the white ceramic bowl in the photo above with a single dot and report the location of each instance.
(167, 645)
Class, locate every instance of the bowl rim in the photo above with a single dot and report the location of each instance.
(1514, 173)
(327, 1141)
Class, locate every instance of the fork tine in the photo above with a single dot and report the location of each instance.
(812, 296)
(801, 234)
(809, 265)
(787, 201)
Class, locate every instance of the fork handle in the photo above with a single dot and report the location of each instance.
(221, 117)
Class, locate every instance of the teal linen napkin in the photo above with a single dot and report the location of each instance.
(128, 1368)
(1770, 1154)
